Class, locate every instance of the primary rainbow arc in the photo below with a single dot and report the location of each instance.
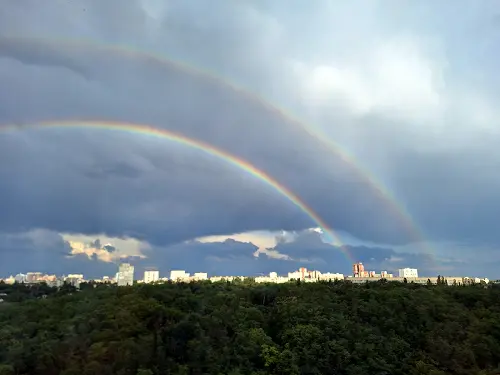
(196, 144)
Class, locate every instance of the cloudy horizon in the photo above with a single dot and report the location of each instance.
(375, 120)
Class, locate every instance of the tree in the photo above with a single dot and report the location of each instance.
(6, 370)
(253, 329)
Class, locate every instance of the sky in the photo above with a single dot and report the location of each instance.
(374, 121)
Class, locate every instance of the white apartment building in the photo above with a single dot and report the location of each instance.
(270, 279)
(331, 276)
(20, 278)
(74, 279)
(32, 277)
(151, 276)
(200, 276)
(176, 275)
(125, 275)
(408, 272)
(75, 276)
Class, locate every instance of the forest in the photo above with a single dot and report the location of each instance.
(246, 328)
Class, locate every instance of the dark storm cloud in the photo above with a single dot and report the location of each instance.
(109, 248)
(467, 192)
(223, 119)
(165, 205)
(231, 257)
(99, 246)
(118, 169)
(45, 251)
(214, 258)
(227, 258)
(309, 247)
(412, 96)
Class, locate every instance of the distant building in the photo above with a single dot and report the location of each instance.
(125, 275)
(176, 275)
(273, 275)
(20, 278)
(200, 276)
(358, 270)
(75, 276)
(303, 273)
(331, 276)
(74, 279)
(408, 272)
(307, 275)
(33, 277)
(151, 275)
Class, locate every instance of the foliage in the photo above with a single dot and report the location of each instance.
(247, 328)
(21, 292)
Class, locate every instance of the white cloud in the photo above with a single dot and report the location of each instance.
(264, 240)
(80, 244)
(78, 248)
(395, 77)
(155, 9)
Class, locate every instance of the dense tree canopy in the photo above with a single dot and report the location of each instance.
(244, 328)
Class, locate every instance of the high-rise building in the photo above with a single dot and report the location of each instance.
(151, 275)
(303, 273)
(408, 272)
(358, 270)
(125, 275)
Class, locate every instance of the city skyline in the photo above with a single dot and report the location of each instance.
(126, 276)
(252, 260)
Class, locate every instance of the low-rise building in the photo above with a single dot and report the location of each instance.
(331, 276)
(408, 272)
(198, 276)
(178, 275)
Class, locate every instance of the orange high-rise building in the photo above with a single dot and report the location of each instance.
(303, 272)
(358, 269)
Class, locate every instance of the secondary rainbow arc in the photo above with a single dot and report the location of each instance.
(384, 193)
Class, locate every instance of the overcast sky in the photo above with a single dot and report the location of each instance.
(379, 115)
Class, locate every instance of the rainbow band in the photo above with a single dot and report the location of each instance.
(397, 208)
(195, 144)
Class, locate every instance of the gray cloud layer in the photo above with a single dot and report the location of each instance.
(411, 96)
(48, 252)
